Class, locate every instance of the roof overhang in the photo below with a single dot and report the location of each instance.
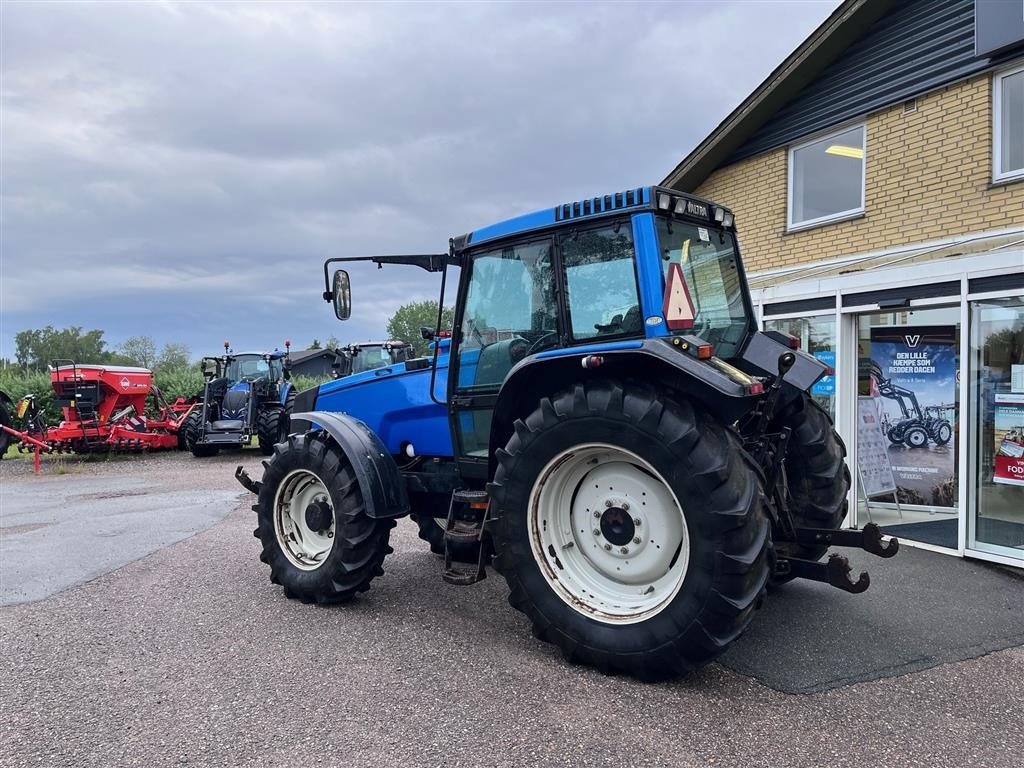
(846, 24)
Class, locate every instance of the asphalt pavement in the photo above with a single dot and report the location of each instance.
(185, 654)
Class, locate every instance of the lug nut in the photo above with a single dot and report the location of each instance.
(624, 550)
(625, 506)
(607, 502)
(637, 521)
(636, 540)
(596, 513)
(597, 531)
(608, 547)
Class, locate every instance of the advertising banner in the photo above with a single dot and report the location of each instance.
(914, 373)
(1009, 437)
(872, 450)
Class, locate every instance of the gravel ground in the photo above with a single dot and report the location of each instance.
(189, 656)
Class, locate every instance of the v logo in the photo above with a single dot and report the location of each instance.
(912, 341)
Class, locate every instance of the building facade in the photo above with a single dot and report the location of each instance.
(877, 178)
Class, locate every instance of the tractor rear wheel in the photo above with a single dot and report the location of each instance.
(430, 512)
(317, 538)
(271, 428)
(630, 529)
(816, 474)
(193, 429)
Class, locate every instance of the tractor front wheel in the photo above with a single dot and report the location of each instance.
(193, 429)
(630, 529)
(319, 542)
(272, 428)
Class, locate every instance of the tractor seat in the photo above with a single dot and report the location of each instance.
(227, 425)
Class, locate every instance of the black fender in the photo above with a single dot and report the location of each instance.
(653, 361)
(381, 483)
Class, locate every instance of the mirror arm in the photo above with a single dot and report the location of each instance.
(432, 262)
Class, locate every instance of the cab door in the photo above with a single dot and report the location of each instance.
(507, 310)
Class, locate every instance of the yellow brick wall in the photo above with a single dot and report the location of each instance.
(929, 176)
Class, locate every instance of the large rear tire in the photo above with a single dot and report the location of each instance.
(319, 542)
(816, 473)
(193, 429)
(630, 529)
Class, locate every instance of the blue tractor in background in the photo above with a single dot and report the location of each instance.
(246, 395)
(606, 419)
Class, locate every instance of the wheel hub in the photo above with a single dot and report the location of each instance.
(617, 526)
(318, 516)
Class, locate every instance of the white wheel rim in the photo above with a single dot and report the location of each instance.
(304, 547)
(578, 514)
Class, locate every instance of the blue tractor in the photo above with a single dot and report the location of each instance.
(606, 419)
(246, 396)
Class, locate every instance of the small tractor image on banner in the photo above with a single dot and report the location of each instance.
(103, 408)
(246, 395)
(605, 426)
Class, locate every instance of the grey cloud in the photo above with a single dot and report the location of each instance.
(182, 169)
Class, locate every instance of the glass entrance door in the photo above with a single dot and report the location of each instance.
(996, 519)
(907, 417)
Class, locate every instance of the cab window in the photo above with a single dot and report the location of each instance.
(601, 285)
(509, 313)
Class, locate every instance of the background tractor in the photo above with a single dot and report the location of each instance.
(606, 418)
(246, 395)
(362, 356)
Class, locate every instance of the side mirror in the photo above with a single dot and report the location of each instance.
(342, 295)
(426, 332)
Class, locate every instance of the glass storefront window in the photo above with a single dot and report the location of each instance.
(997, 392)
(817, 337)
(908, 372)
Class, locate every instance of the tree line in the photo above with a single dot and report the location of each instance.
(37, 348)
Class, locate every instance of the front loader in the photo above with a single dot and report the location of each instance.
(605, 418)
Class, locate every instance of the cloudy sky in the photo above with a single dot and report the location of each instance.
(181, 170)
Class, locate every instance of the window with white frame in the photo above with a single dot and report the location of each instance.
(1008, 125)
(826, 179)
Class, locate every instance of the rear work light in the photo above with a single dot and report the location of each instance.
(695, 347)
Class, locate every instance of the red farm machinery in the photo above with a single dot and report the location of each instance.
(103, 407)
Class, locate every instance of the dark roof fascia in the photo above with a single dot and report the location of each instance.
(840, 30)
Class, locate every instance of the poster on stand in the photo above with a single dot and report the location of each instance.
(914, 373)
(1009, 439)
(876, 475)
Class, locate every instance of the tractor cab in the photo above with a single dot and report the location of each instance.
(359, 357)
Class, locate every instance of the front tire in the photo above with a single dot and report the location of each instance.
(193, 429)
(317, 538)
(271, 428)
(570, 485)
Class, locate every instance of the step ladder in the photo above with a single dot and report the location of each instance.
(474, 500)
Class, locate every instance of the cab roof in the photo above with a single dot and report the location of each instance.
(635, 200)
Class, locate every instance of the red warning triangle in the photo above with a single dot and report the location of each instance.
(678, 307)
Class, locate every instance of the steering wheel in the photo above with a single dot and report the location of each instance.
(536, 346)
